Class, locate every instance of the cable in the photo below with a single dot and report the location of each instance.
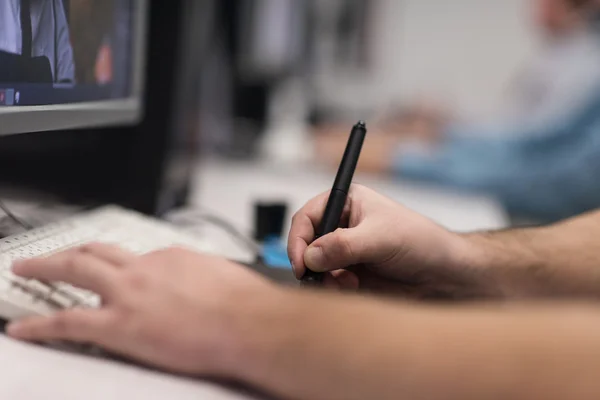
(232, 230)
(189, 217)
(13, 217)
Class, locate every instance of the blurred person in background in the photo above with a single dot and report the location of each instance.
(538, 157)
(103, 69)
(34, 42)
(92, 23)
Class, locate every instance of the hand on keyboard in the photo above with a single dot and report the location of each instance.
(174, 308)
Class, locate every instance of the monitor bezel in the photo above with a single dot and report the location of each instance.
(106, 113)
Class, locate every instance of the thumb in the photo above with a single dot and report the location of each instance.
(334, 251)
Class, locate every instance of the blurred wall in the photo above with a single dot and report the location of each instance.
(462, 51)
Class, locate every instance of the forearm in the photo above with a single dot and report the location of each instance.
(558, 260)
(327, 347)
(376, 155)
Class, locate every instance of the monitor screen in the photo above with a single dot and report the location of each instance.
(70, 63)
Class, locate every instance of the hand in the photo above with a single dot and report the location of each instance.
(417, 127)
(103, 69)
(382, 247)
(377, 154)
(174, 309)
(383, 141)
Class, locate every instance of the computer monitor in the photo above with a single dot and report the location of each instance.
(68, 64)
(139, 158)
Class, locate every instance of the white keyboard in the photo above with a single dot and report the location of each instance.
(130, 230)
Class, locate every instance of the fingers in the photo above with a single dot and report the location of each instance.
(304, 226)
(77, 268)
(302, 232)
(341, 280)
(77, 325)
(337, 250)
(346, 280)
(109, 253)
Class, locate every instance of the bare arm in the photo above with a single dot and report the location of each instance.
(325, 347)
(558, 260)
(305, 345)
(394, 249)
(376, 156)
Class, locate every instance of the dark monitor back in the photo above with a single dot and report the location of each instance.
(146, 167)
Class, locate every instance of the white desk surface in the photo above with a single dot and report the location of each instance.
(36, 373)
(230, 189)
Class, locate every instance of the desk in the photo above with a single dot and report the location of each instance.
(230, 189)
(30, 373)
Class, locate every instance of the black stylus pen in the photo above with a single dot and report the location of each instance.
(339, 192)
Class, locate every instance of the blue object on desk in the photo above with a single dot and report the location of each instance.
(275, 253)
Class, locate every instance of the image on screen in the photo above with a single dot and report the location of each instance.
(65, 51)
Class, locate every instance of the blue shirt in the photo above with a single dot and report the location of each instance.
(548, 172)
